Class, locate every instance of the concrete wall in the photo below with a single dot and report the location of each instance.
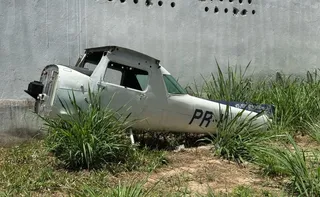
(187, 37)
(281, 35)
(18, 123)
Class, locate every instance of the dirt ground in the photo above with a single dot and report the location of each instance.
(203, 171)
(198, 171)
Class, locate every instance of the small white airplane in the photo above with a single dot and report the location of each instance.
(137, 81)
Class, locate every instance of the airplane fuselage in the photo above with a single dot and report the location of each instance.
(134, 83)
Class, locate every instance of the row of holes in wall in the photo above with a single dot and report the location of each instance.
(148, 2)
(240, 1)
(235, 11)
(173, 4)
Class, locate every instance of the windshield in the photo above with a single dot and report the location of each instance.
(173, 87)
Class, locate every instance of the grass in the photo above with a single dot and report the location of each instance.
(29, 169)
(239, 139)
(229, 87)
(88, 138)
(313, 129)
(134, 189)
(242, 191)
(295, 98)
(300, 166)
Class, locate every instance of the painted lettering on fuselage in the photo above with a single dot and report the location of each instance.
(206, 117)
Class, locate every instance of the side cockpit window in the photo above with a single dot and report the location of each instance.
(126, 76)
(87, 64)
(172, 85)
(92, 60)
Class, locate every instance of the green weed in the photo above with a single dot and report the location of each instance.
(313, 129)
(88, 138)
(296, 99)
(239, 139)
(240, 191)
(305, 176)
(28, 170)
(234, 86)
(134, 189)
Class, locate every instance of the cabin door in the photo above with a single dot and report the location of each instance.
(124, 89)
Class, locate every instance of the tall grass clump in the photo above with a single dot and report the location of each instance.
(133, 189)
(88, 138)
(232, 86)
(296, 99)
(239, 139)
(302, 168)
(313, 129)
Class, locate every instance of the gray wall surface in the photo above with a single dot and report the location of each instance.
(277, 35)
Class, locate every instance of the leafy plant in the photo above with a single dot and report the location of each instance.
(305, 176)
(239, 138)
(88, 138)
(295, 98)
(243, 191)
(240, 191)
(131, 190)
(134, 189)
(234, 86)
(313, 129)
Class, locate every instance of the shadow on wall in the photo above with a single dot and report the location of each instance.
(18, 123)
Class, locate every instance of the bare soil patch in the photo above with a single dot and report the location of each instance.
(197, 170)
